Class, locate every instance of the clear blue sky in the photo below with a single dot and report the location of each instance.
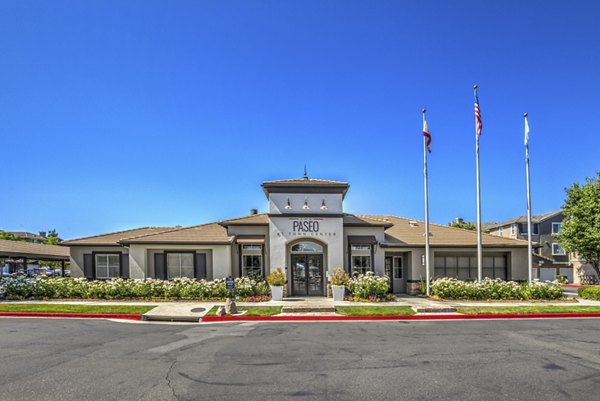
(118, 114)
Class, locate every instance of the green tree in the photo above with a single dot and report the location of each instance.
(9, 236)
(52, 238)
(465, 225)
(580, 230)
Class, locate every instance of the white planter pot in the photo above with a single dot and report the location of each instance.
(338, 292)
(277, 293)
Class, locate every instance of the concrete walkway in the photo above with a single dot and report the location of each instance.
(193, 311)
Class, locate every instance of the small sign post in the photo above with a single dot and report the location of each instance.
(230, 283)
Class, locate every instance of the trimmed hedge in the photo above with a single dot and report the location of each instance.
(451, 288)
(181, 288)
(592, 293)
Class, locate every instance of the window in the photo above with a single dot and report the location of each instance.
(252, 266)
(513, 229)
(464, 267)
(360, 258)
(557, 249)
(307, 247)
(501, 231)
(361, 264)
(535, 228)
(180, 265)
(556, 228)
(398, 267)
(251, 247)
(108, 265)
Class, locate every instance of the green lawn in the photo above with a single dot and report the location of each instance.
(473, 310)
(374, 310)
(251, 310)
(70, 308)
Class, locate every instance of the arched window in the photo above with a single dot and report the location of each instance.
(306, 246)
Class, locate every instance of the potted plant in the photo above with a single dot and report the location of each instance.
(339, 278)
(276, 280)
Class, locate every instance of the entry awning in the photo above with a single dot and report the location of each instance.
(362, 239)
(250, 239)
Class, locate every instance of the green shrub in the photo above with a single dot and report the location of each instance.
(369, 287)
(592, 293)
(451, 288)
(79, 288)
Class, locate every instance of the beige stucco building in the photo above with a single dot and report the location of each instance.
(305, 232)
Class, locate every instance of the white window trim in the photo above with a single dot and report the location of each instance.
(559, 228)
(367, 268)
(557, 254)
(501, 231)
(180, 267)
(108, 266)
(513, 229)
(244, 267)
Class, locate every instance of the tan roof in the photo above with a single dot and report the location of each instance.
(260, 219)
(33, 251)
(359, 220)
(212, 233)
(407, 232)
(305, 181)
(114, 237)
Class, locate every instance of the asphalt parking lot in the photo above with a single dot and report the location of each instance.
(71, 359)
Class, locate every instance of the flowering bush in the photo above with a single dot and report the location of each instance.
(452, 288)
(180, 288)
(369, 287)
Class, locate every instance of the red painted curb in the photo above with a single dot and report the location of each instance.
(75, 315)
(209, 319)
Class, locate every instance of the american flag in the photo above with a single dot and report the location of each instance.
(426, 133)
(478, 123)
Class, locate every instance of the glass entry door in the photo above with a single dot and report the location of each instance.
(307, 275)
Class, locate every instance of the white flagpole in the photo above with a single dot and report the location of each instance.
(427, 268)
(479, 248)
(529, 246)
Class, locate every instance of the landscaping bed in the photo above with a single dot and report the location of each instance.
(382, 310)
(525, 310)
(495, 289)
(247, 290)
(76, 309)
(592, 293)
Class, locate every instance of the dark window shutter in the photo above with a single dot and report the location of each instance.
(160, 269)
(88, 265)
(124, 265)
(200, 265)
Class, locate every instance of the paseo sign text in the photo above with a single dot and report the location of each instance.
(305, 226)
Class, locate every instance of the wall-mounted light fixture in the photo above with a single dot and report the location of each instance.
(305, 206)
(323, 205)
(288, 205)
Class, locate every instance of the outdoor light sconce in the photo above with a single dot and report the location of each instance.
(288, 205)
(423, 260)
(305, 207)
(323, 205)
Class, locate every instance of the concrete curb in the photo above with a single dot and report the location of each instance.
(74, 315)
(211, 319)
